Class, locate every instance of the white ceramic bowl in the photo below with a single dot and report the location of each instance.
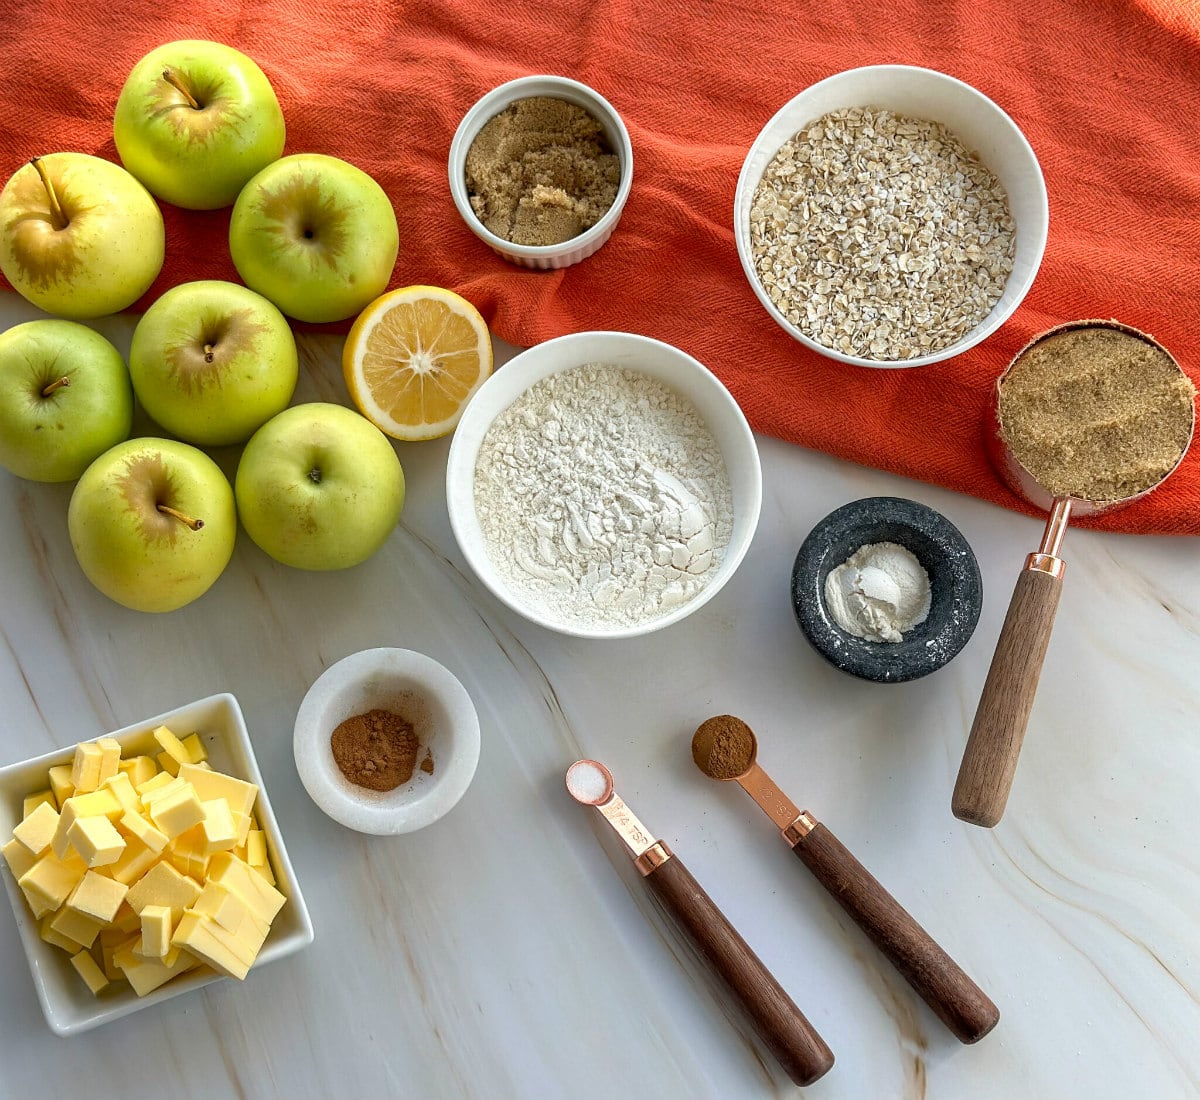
(68, 1005)
(545, 257)
(672, 367)
(920, 93)
(421, 690)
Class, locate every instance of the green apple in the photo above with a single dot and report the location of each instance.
(195, 120)
(212, 362)
(79, 236)
(64, 399)
(319, 487)
(315, 235)
(153, 523)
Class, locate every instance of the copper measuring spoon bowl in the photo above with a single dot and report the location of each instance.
(989, 761)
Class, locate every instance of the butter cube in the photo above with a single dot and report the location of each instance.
(146, 975)
(83, 805)
(55, 938)
(224, 907)
(37, 830)
(50, 880)
(163, 885)
(262, 898)
(244, 823)
(168, 763)
(96, 840)
(177, 812)
(122, 788)
(135, 861)
(220, 831)
(139, 769)
(83, 930)
(137, 826)
(196, 751)
(126, 920)
(31, 802)
(187, 852)
(209, 942)
(86, 968)
(156, 931)
(110, 757)
(98, 897)
(60, 783)
(210, 784)
(169, 785)
(113, 940)
(156, 782)
(18, 857)
(85, 767)
(172, 745)
(256, 848)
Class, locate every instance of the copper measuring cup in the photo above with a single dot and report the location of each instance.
(990, 760)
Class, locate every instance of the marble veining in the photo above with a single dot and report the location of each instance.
(511, 952)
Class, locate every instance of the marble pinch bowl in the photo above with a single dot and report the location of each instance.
(68, 1006)
(955, 583)
(548, 257)
(421, 690)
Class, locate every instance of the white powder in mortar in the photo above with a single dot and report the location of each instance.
(879, 592)
(603, 498)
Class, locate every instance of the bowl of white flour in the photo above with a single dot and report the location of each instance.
(603, 484)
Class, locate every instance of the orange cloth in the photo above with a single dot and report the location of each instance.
(1107, 91)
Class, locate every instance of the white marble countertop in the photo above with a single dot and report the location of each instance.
(510, 950)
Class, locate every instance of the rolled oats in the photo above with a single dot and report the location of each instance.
(881, 236)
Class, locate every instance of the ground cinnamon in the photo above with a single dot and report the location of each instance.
(723, 747)
(378, 750)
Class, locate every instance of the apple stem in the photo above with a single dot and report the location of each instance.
(58, 383)
(57, 217)
(208, 353)
(179, 86)
(194, 524)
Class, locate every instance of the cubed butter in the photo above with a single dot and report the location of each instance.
(56, 938)
(156, 782)
(146, 975)
(93, 804)
(98, 897)
(209, 942)
(163, 885)
(155, 790)
(85, 767)
(51, 879)
(156, 931)
(113, 940)
(139, 769)
(126, 920)
(86, 968)
(135, 861)
(210, 784)
(122, 787)
(37, 830)
(172, 745)
(177, 812)
(138, 826)
(18, 857)
(60, 783)
(220, 830)
(168, 763)
(31, 802)
(110, 757)
(196, 751)
(96, 840)
(262, 898)
(83, 930)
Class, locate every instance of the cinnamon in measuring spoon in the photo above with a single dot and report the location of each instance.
(378, 750)
(723, 747)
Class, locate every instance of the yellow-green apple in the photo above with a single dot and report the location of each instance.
(212, 362)
(316, 235)
(195, 120)
(64, 399)
(319, 487)
(79, 236)
(153, 523)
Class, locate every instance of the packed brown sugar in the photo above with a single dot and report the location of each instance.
(541, 172)
(1096, 413)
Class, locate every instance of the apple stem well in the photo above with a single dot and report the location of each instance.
(180, 87)
(194, 524)
(57, 384)
(57, 218)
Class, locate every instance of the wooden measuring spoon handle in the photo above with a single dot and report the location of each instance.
(941, 983)
(781, 1025)
(990, 760)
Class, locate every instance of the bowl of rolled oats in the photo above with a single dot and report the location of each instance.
(890, 216)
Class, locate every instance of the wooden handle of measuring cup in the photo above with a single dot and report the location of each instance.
(781, 1025)
(940, 982)
(990, 761)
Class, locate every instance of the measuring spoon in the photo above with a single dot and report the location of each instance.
(724, 745)
(781, 1025)
(989, 762)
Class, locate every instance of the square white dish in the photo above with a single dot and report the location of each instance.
(67, 1003)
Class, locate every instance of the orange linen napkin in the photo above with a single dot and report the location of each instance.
(1107, 91)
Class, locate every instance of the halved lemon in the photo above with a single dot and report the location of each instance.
(413, 359)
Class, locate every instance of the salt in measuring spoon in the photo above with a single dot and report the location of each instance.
(725, 748)
(781, 1025)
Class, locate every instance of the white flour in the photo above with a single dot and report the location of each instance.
(603, 497)
(879, 592)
